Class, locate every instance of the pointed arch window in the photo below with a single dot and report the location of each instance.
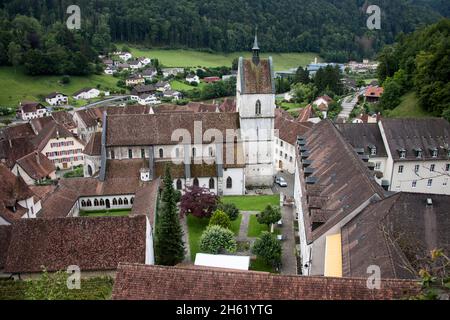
(102, 202)
(132, 200)
(83, 203)
(258, 107)
(161, 153)
(120, 201)
(196, 182)
(89, 203)
(114, 202)
(229, 183)
(211, 183)
(96, 203)
(179, 184)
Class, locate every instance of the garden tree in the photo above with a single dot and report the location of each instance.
(329, 79)
(388, 63)
(220, 218)
(198, 201)
(48, 287)
(230, 209)
(304, 92)
(169, 246)
(302, 76)
(234, 64)
(391, 95)
(14, 54)
(282, 85)
(216, 239)
(271, 214)
(435, 277)
(268, 248)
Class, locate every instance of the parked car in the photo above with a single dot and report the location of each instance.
(281, 182)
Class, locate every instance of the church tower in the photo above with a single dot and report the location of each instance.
(255, 102)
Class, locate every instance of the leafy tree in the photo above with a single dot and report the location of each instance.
(14, 54)
(269, 215)
(216, 239)
(48, 287)
(198, 201)
(230, 209)
(391, 95)
(304, 92)
(220, 218)
(169, 246)
(268, 248)
(302, 76)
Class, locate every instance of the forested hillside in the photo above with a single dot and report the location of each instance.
(419, 62)
(335, 29)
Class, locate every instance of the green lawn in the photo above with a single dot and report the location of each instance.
(259, 265)
(181, 86)
(252, 203)
(99, 288)
(292, 105)
(105, 213)
(409, 107)
(193, 58)
(196, 226)
(255, 228)
(17, 86)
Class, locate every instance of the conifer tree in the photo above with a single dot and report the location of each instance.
(169, 246)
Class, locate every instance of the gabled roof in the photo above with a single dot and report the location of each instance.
(396, 234)
(94, 145)
(150, 282)
(11, 150)
(256, 79)
(374, 91)
(64, 118)
(93, 244)
(288, 127)
(36, 165)
(157, 129)
(54, 94)
(411, 134)
(363, 135)
(82, 90)
(306, 113)
(52, 130)
(31, 106)
(340, 180)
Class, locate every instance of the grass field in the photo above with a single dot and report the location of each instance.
(259, 265)
(181, 86)
(16, 86)
(409, 107)
(192, 58)
(252, 203)
(105, 213)
(255, 228)
(196, 226)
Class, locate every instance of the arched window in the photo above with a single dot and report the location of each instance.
(83, 203)
(161, 153)
(90, 170)
(229, 183)
(89, 203)
(258, 107)
(196, 182)
(125, 201)
(132, 200)
(114, 202)
(179, 184)
(96, 203)
(211, 183)
(120, 201)
(102, 202)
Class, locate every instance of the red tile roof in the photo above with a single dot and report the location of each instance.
(256, 78)
(374, 92)
(145, 282)
(288, 127)
(94, 145)
(36, 165)
(93, 244)
(5, 238)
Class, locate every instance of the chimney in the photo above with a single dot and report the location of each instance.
(429, 202)
(38, 160)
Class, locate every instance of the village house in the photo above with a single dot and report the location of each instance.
(123, 66)
(32, 110)
(162, 86)
(92, 155)
(373, 94)
(56, 99)
(60, 146)
(87, 121)
(110, 70)
(211, 79)
(322, 103)
(143, 89)
(149, 73)
(34, 168)
(151, 282)
(367, 118)
(192, 78)
(135, 65)
(171, 71)
(17, 201)
(15, 143)
(96, 246)
(144, 61)
(86, 94)
(125, 56)
(134, 80)
(172, 94)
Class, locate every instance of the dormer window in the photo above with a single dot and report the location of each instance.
(258, 108)
(418, 152)
(373, 150)
(434, 152)
(402, 153)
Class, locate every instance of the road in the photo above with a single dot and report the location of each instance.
(112, 99)
(347, 107)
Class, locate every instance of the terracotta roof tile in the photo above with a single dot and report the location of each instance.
(145, 282)
(36, 165)
(93, 244)
(94, 145)
(256, 79)
(5, 238)
(288, 127)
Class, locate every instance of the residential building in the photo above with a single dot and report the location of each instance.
(34, 168)
(92, 155)
(86, 94)
(192, 78)
(149, 73)
(17, 201)
(373, 94)
(134, 80)
(32, 110)
(171, 71)
(57, 99)
(211, 79)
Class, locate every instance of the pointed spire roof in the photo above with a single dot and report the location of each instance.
(255, 43)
